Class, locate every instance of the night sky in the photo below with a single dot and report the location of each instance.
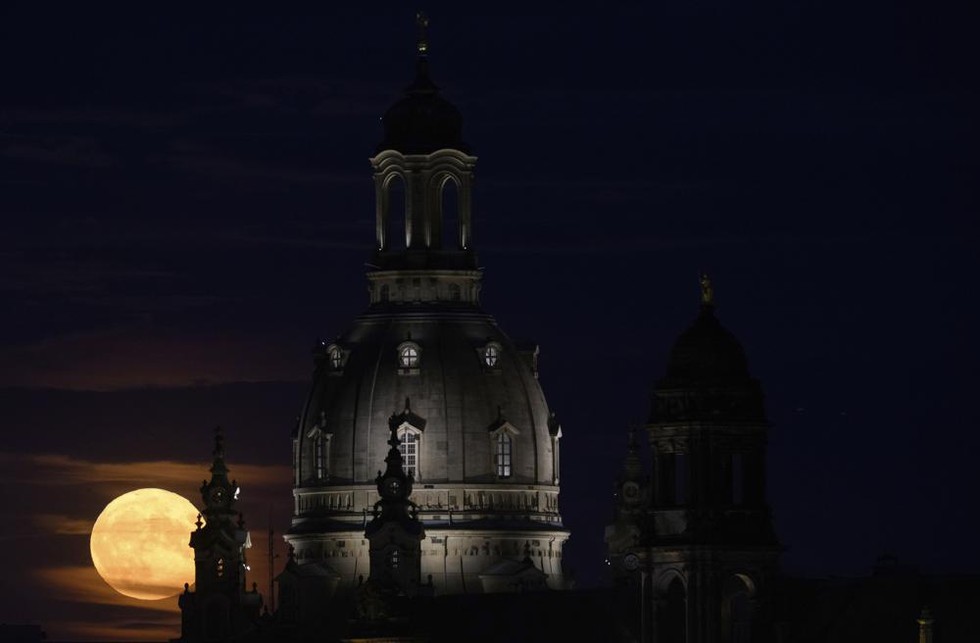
(186, 206)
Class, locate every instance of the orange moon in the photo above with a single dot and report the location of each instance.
(139, 544)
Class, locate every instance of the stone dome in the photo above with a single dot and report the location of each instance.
(707, 353)
(423, 121)
(462, 381)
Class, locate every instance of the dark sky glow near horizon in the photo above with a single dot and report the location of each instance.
(186, 205)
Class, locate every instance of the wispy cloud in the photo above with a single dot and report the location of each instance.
(131, 358)
(109, 479)
(214, 163)
(63, 525)
(159, 629)
(82, 584)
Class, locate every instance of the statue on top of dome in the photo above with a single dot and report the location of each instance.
(707, 291)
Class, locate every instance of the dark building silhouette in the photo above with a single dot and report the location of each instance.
(395, 532)
(219, 607)
(696, 540)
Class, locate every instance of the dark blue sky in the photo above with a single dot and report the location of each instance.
(186, 204)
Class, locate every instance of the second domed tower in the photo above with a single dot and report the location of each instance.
(473, 426)
(700, 543)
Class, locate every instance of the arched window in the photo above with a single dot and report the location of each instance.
(449, 207)
(738, 479)
(736, 609)
(396, 232)
(502, 454)
(409, 357)
(393, 559)
(672, 617)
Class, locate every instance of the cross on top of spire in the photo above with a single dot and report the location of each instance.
(707, 291)
(219, 443)
(422, 22)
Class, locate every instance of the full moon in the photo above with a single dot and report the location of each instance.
(140, 546)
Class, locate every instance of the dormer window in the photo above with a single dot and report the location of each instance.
(502, 434)
(502, 453)
(489, 355)
(409, 438)
(409, 356)
(321, 439)
(333, 356)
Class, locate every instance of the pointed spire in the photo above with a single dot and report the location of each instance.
(219, 443)
(632, 466)
(422, 22)
(394, 459)
(422, 84)
(218, 467)
(554, 426)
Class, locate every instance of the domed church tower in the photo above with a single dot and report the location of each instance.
(704, 551)
(472, 423)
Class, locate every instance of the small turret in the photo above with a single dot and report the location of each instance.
(395, 533)
(220, 606)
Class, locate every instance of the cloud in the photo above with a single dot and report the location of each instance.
(82, 151)
(82, 584)
(110, 479)
(216, 164)
(127, 630)
(132, 358)
(63, 525)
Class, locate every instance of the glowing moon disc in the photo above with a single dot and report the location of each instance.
(139, 543)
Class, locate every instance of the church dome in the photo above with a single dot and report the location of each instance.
(707, 375)
(423, 121)
(450, 376)
(707, 353)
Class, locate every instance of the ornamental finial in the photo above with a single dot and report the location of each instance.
(707, 291)
(219, 443)
(422, 21)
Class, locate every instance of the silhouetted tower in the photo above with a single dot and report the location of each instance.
(220, 607)
(709, 550)
(395, 534)
(632, 493)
